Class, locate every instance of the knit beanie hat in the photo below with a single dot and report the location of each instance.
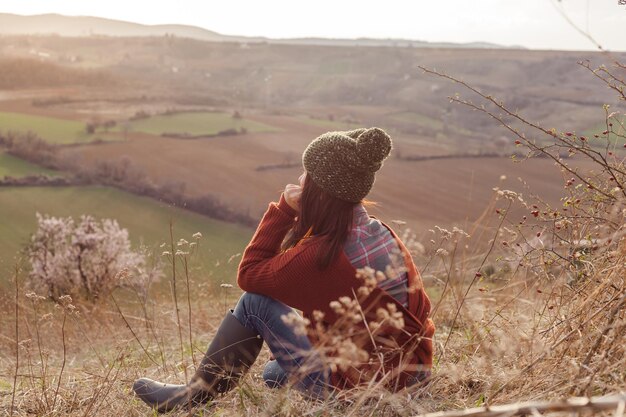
(343, 163)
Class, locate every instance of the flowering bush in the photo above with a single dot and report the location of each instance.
(88, 258)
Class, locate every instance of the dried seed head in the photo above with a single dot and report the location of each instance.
(318, 315)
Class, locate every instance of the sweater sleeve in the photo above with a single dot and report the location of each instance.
(292, 277)
(262, 258)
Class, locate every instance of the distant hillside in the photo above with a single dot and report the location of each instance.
(46, 24)
(16, 73)
(80, 26)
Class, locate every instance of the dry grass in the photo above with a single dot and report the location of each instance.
(502, 336)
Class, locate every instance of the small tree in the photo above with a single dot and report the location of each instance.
(87, 259)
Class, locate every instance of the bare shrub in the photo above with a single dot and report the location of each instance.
(549, 318)
(30, 147)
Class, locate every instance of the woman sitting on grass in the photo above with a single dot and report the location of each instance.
(305, 255)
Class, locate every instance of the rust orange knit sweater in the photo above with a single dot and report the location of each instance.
(294, 278)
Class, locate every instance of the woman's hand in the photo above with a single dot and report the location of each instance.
(293, 193)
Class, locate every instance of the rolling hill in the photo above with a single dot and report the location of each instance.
(46, 24)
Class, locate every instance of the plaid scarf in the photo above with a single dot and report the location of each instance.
(369, 243)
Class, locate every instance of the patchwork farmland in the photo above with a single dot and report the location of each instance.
(205, 131)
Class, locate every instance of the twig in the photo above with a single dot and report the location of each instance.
(585, 33)
(180, 332)
(132, 331)
(150, 327)
(575, 404)
(97, 395)
(469, 287)
(601, 336)
(186, 264)
(39, 348)
(553, 346)
(56, 392)
(521, 136)
(17, 338)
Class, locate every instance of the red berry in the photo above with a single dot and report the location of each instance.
(568, 133)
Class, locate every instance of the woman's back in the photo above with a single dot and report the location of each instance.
(370, 244)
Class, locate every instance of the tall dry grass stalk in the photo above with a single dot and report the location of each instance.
(17, 337)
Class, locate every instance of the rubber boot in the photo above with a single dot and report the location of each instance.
(229, 356)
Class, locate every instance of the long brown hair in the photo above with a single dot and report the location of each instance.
(329, 219)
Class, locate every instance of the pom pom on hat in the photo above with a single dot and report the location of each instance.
(373, 146)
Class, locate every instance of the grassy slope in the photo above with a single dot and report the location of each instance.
(600, 143)
(330, 124)
(16, 167)
(428, 122)
(51, 129)
(147, 221)
(196, 123)
(418, 119)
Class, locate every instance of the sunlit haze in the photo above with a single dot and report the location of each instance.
(535, 24)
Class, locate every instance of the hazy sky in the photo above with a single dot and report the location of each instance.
(530, 23)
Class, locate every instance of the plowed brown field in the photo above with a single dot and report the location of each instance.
(445, 192)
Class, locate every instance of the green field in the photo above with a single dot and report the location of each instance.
(51, 129)
(428, 122)
(326, 123)
(196, 123)
(600, 143)
(16, 167)
(146, 220)
(419, 119)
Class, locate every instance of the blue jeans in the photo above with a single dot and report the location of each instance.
(295, 358)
